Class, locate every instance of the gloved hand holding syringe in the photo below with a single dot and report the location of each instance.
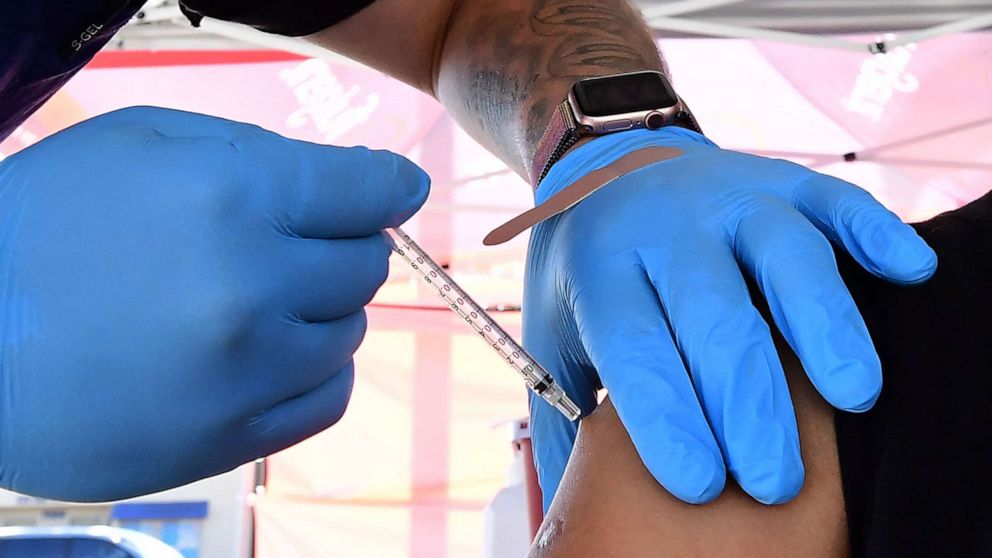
(535, 376)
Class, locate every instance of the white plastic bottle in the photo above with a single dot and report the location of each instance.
(507, 524)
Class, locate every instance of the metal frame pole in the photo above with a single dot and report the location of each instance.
(684, 7)
(959, 26)
(741, 32)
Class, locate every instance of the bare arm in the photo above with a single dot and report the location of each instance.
(498, 66)
(609, 505)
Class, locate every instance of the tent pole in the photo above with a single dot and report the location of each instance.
(959, 26)
(927, 136)
(741, 32)
(683, 7)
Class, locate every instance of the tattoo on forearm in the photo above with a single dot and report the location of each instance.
(511, 61)
(591, 37)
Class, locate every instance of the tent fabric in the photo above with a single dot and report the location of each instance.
(421, 450)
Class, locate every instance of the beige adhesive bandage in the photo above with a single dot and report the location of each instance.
(580, 190)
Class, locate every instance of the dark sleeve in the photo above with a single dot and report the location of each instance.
(915, 468)
(294, 18)
(44, 43)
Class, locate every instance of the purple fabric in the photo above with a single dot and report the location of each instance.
(44, 43)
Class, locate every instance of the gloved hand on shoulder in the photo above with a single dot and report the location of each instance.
(640, 289)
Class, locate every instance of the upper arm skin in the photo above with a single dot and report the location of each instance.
(609, 505)
(402, 38)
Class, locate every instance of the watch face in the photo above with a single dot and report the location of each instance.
(625, 93)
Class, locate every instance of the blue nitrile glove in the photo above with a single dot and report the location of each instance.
(640, 288)
(181, 294)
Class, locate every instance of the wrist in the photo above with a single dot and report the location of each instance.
(594, 153)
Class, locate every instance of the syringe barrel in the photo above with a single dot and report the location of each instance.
(468, 309)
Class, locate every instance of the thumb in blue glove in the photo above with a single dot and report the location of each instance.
(641, 289)
(180, 295)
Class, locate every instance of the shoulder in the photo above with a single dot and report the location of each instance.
(918, 459)
(964, 235)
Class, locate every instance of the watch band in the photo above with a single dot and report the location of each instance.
(562, 132)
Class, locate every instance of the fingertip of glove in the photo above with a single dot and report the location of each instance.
(854, 387)
(774, 482)
(904, 257)
(415, 185)
(778, 489)
(865, 406)
(921, 263)
(701, 478)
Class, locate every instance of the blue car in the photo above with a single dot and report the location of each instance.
(81, 542)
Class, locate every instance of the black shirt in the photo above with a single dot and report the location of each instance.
(916, 467)
(44, 44)
(293, 17)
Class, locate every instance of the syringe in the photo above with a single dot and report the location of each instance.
(536, 377)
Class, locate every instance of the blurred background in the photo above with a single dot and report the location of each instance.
(893, 96)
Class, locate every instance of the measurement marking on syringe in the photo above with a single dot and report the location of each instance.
(534, 376)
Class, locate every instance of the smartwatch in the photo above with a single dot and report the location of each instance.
(609, 104)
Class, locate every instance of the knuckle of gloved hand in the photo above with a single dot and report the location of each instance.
(372, 278)
(717, 331)
(717, 306)
(358, 325)
(786, 178)
(337, 412)
(630, 342)
(136, 112)
(793, 256)
(133, 125)
(351, 334)
(137, 115)
(379, 271)
(229, 320)
(221, 192)
(254, 144)
(856, 210)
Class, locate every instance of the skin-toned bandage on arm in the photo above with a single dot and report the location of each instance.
(608, 504)
(579, 190)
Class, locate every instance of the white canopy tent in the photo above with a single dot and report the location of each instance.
(808, 22)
